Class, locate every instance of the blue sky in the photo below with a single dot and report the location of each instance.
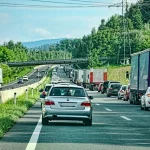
(30, 24)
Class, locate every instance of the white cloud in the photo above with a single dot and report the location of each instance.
(69, 36)
(42, 32)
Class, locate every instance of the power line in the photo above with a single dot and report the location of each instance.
(49, 6)
(73, 2)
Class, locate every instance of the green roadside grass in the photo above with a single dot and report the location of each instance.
(10, 113)
(118, 73)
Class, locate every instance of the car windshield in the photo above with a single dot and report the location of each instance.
(67, 91)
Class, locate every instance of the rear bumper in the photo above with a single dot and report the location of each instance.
(67, 117)
(67, 114)
(113, 94)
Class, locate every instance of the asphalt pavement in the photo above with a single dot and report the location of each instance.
(117, 125)
(32, 78)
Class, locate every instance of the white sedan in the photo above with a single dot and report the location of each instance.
(145, 100)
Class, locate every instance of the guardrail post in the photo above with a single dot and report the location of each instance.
(15, 98)
(32, 92)
(26, 94)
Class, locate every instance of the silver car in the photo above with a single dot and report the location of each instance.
(67, 102)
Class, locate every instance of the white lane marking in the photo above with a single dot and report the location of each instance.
(97, 104)
(108, 109)
(125, 118)
(34, 138)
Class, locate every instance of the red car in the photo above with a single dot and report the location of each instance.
(100, 87)
(126, 93)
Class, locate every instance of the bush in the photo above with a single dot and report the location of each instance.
(10, 113)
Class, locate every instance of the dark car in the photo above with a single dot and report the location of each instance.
(113, 89)
(20, 81)
(106, 85)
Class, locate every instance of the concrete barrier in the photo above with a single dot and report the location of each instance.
(8, 94)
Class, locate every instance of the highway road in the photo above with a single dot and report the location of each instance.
(117, 125)
(32, 79)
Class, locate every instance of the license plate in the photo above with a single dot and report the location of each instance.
(67, 104)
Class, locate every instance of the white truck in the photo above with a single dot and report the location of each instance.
(97, 76)
(1, 77)
(86, 77)
(77, 76)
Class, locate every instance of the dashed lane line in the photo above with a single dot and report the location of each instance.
(108, 109)
(125, 118)
(97, 104)
(34, 138)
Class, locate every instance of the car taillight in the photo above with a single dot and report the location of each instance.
(44, 93)
(148, 95)
(86, 104)
(49, 103)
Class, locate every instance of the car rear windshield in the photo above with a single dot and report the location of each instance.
(115, 85)
(47, 88)
(124, 88)
(67, 91)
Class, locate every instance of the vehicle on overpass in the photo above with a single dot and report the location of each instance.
(67, 102)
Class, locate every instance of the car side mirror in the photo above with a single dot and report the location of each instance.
(90, 97)
(41, 90)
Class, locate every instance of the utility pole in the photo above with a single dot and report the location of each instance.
(124, 29)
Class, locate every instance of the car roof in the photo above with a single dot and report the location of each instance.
(59, 85)
(48, 84)
(115, 83)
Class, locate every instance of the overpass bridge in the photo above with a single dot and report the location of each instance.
(45, 62)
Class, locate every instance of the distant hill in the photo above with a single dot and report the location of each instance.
(34, 44)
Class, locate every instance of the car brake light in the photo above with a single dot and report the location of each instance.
(86, 104)
(44, 93)
(148, 95)
(49, 103)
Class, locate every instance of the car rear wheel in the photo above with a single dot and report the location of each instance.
(88, 122)
(145, 108)
(44, 121)
(108, 95)
(142, 108)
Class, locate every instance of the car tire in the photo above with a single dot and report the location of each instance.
(44, 121)
(88, 122)
(142, 108)
(108, 95)
(131, 102)
(145, 108)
